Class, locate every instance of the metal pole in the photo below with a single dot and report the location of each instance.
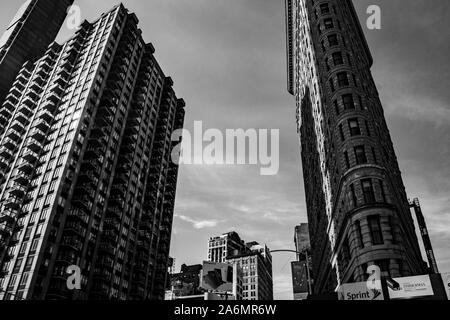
(307, 272)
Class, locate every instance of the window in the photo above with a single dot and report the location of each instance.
(337, 58)
(333, 40)
(336, 107)
(34, 245)
(332, 85)
(328, 23)
(374, 155)
(359, 233)
(360, 155)
(355, 200)
(353, 124)
(342, 79)
(375, 230)
(347, 160)
(324, 8)
(367, 128)
(346, 255)
(383, 193)
(24, 279)
(369, 196)
(341, 131)
(348, 101)
(392, 227)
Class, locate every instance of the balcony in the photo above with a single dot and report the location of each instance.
(105, 121)
(13, 135)
(43, 126)
(9, 105)
(35, 146)
(29, 102)
(14, 95)
(106, 263)
(7, 216)
(110, 236)
(78, 215)
(103, 276)
(34, 95)
(87, 177)
(75, 228)
(30, 158)
(6, 113)
(72, 243)
(64, 72)
(22, 180)
(25, 110)
(82, 202)
(5, 153)
(38, 136)
(10, 145)
(3, 164)
(3, 120)
(22, 119)
(41, 72)
(107, 249)
(50, 106)
(55, 96)
(37, 84)
(17, 193)
(46, 116)
(5, 230)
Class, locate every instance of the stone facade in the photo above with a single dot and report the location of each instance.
(357, 206)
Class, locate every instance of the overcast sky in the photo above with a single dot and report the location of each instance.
(227, 60)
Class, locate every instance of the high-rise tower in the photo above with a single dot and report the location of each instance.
(86, 173)
(357, 206)
(33, 28)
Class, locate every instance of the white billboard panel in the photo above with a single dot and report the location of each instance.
(411, 287)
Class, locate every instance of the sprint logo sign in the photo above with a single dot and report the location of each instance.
(363, 291)
(360, 291)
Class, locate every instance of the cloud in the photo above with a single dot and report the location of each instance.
(199, 224)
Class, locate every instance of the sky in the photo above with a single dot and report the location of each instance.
(228, 61)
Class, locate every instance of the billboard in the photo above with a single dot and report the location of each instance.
(299, 277)
(446, 281)
(411, 287)
(360, 291)
(217, 277)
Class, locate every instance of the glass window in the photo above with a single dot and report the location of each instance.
(354, 127)
(360, 155)
(375, 230)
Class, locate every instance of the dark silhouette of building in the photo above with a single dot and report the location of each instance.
(86, 171)
(32, 30)
(358, 211)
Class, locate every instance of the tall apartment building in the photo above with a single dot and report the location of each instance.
(254, 259)
(357, 206)
(219, 248)
(86, 171)
(256, 264)
(28, 35)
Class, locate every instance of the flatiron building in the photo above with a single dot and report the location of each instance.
(86, 173)
(358, 211)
